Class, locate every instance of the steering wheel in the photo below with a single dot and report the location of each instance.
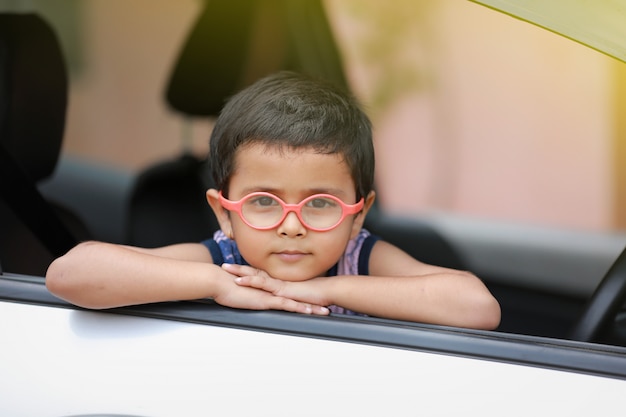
(604, 304)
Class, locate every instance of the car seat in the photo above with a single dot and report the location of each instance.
(231, 44)
(414, 236)
(33, 100)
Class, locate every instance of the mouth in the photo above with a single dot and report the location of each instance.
(291, 255)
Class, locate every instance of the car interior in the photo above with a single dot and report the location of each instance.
(165, 203)
(32, 121)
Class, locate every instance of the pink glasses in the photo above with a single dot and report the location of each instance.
(264, 211)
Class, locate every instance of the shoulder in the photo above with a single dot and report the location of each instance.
(355, 259)
(223, 250)
(356, 244)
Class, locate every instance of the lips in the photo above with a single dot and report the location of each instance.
(291, 255)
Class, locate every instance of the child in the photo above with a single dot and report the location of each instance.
(293, 161)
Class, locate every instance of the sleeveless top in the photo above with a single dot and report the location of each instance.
(354, 261)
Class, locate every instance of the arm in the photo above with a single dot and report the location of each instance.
(101, 275)
(399, 287)
(403, 288)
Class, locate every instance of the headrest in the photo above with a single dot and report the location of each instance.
(33, 93)
(235, 42)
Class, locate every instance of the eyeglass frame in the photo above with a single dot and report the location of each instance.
(346, 209)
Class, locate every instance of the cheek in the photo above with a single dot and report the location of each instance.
(331, 251)
(331, 245)
(251, 242)
(247, 237)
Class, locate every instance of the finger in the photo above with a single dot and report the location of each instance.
(261, 283)
(286, 304)
(320, 310)
(240, 270)
(254, 299)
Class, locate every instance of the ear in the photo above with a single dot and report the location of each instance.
(357, 224)
(222, 215)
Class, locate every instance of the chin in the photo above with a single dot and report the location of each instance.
(295, 276)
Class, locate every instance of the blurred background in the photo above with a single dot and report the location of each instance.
(476, 114)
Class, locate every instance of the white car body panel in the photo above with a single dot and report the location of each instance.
(82, 362)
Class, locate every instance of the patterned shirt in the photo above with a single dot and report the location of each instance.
(354, 261)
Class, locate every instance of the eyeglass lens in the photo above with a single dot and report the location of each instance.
(315, 212)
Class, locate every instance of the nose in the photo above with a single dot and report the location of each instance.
(291, 226)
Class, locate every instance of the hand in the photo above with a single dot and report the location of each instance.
(308, 291)
(250, 297)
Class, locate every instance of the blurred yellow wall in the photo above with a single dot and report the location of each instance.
(510, 121)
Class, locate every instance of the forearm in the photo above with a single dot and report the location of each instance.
(99, 275)
(455, 299)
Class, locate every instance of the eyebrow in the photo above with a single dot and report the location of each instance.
(332, 191)
(310, 191)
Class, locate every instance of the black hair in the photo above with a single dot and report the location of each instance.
(293, 110)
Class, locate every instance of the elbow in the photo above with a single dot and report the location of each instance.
(62, 273)
(58, 278)
(487, 314)
(480, 310)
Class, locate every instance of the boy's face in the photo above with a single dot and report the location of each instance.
(290, 251)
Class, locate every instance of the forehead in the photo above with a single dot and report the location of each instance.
(259, 166)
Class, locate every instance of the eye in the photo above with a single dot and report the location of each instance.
(263, 201)
(321, 203)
